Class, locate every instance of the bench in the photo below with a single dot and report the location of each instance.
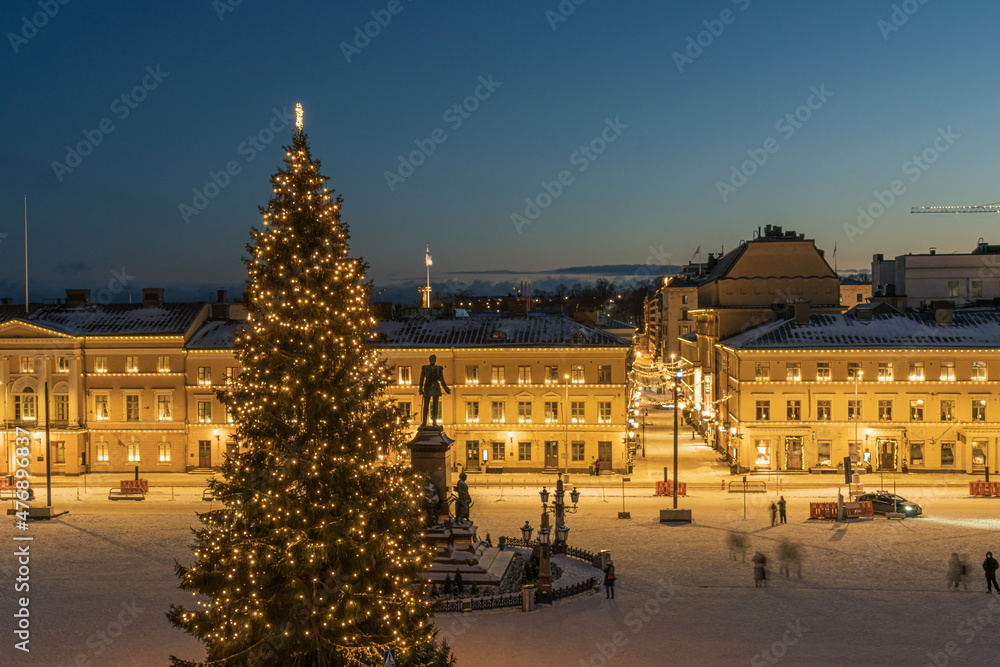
(129, 489)
(751, 486)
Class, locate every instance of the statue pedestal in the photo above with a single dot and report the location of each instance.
(429, 456)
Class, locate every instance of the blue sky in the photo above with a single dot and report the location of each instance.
(642, 137)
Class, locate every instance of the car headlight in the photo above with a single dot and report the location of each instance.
(907, 508)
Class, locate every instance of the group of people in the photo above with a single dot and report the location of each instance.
(778, 509)
(595, 467)
(957, 569)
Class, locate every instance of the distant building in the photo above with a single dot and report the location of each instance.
(854, 292)
(962, 278)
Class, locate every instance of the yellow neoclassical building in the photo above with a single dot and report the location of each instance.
(901, 392)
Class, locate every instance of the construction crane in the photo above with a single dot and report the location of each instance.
(984, 208)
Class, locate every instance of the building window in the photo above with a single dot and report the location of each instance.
(524, 412)
(100, 364)
(824, 410)
(916, 453)
(231, 373)
(227, 414)
(472, 374)
(947, 370)
(61, 407)
(952, 288)
(979, 448)
(524, 374)
(794, 409)
(499, 450)
(762, 370)
(472, 412)
(885, 410)
(204, 412)
(916, 370)
(404, 375)
(976, 288)
(405, 410)
(205, 376)
(763, 454)
(133, 452)
(793, 371)
(604, 375)
(916, 409)
(524, 451)
(551, 412)
(132, 407)
(551, 374)
(823, 370)
(163, 364)
(763, 411)
(823, 453)
(131, 364)
(577, 412)
(604, 412)
(978, 370)
(164, 452)
(577, 450)
(685, 329)
(853, 410)
(604, 453)
(101, 407)
(858, 295)
(102, 452)
(979, 409)
(853, 368)
(947, 453)
(163, 407)
(497, 411)
(498, 377)
(60, 452)
(27, 363)
(576, 374)
(684, 299)
(62, 364)
(885, 371)
(947, 410)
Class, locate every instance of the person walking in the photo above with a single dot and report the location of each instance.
(788, 558)
(781, 510)
(597, 468)
(609, 581)
(774, 513)
(759, 575)
(955, 571)
(591, 466)
(738, 545)
(990, 565)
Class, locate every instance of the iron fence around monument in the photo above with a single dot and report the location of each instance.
(575, 589)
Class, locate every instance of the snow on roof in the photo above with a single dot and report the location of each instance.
(972, 329)
(546, 330)
(115, 319)
(213, 335)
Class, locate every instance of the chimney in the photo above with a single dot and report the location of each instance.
(801, 312)
(152, 297)
(77, 297)
(221, 296)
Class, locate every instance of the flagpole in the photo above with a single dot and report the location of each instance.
(25, 253)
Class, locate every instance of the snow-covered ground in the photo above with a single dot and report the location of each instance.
(872, 593)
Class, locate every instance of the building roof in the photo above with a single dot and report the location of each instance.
(213, 335)
(540, 331)
(970, 329)
(124, 319)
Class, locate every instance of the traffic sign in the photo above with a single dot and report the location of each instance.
(389, 658)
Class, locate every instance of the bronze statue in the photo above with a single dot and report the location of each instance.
(430, 386)
(430, 503)
(464, 501)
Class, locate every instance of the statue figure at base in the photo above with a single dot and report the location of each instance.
(463, 502)
(430, 503)
(430, 386)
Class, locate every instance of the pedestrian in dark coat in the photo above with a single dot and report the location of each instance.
(990, 565)
(774, 513)
(609, 580)
(781, 510)
(788, 558)
(759, 575)
(597, 468)
(955, 571)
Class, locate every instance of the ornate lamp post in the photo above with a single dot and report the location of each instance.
(545, 546)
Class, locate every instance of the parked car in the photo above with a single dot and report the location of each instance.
(883, 503)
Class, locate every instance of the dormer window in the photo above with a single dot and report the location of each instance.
(499, 335)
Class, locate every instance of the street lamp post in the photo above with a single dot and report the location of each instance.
(546, 547)
(566, 423)
(677, 378)
(857, 406)
(644, 431)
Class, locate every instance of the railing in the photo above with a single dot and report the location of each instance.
(496, 602)
(575, 589)
(583, 554)
(446, 606)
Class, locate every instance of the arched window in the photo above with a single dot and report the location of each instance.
(26, 405)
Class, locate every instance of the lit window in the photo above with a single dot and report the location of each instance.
(524, 412)
(131, 364)
(794, 410)
(916, 371)
(205, 376)
(947, 370)
(404, 375)
(132, 408)
(916, 453)
(824, 410)
(823, 370)
(576, 374)
(793, 371)
(577, 412)
(853, 367)
(100, 364)
(472, 412)
(604, 375)
(163, 364)
(947, 410)
(497, 376)
(952, 288)
(979, 409)
(551, 412)
(405, 410)
(61, 407)
(164, 452)
(62, 364)
(499, 450)
(917, 409)
(497, 411)
(133, 452)
(604, 412)
(978, 370)
(524, 374)
(885, 371)
(27, 363)
(102, 452)
(762, 370)
(472, 374)
(551, 374)
(823, 453)
(885, 410)
(577, 451)
(204, 412)
(25, 406)
(853, 410)
(231, 373)
(763, 410)
(163, 407)
(947, 453)
(101, 407)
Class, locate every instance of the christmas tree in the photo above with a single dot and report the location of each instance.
(314, 559)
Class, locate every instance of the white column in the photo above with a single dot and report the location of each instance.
(74, 389)
(42, 377)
